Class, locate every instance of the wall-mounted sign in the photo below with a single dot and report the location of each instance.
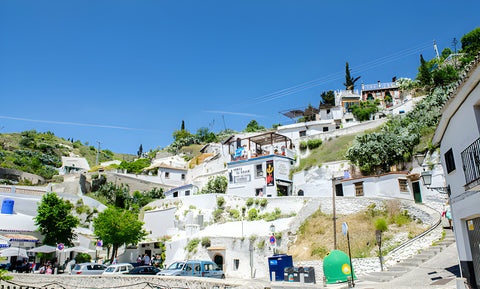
(470, 225)
(270, 176)
(241, 175)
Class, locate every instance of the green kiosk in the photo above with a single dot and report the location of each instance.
(336, 267)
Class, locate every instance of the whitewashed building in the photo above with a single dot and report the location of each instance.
(182, 191)
(389, 185)
(260, 165)
(458, 134)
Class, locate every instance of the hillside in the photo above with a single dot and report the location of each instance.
(40, 152)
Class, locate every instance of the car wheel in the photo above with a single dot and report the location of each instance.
(223, 276)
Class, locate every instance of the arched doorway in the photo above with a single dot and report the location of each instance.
(218, 259)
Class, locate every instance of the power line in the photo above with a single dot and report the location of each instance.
(334, 76)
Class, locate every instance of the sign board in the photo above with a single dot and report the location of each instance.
(344, 228)
(270, 174)
(99, 243)
(272, 240)
(470, 225)
(60, 246)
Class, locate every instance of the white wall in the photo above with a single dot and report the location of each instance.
(382, 186)
(461, 132)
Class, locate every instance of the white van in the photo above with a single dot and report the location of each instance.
(118, 269)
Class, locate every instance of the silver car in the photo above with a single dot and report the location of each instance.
(175, 269)
(88, 269)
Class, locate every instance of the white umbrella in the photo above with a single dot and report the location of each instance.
(79, 250)
(43, 249)
(14, 251)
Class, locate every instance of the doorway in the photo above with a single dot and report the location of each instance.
(473, 229)
(218, 259)
(417, 195)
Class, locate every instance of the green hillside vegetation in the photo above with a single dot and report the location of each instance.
(40, 152)
(315, 235)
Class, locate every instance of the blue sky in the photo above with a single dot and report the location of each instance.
(127, 73)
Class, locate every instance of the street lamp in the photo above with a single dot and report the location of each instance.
(272, 228)
(419, 158)
(427, 181)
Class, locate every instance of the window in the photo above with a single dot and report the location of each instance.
(358, 189)
(302, 133)
(259, 192)
(236, 264)
(259, 170)
(187, 193)
(325, 128)
(403, 185)
(175, 194)
(183, 176)
(167, 175)
(449, 161)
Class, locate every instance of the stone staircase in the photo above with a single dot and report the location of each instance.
(411, 263)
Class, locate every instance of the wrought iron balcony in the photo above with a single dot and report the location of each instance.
(471, 166)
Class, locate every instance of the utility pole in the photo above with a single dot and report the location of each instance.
(454, 44)
(98, 152)
(334, 217)
(436, 49)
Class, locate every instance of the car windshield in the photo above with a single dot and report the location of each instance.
(110, 269)
(77, 267)
(175, 266)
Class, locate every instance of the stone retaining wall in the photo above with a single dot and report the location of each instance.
(103, 282)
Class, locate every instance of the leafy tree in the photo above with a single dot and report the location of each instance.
(471, 44)
(135, 167)
(204, 135)
(444, 76)
(253, 126)
(118, 196)
(349, 80)
(328, 98)
(4, 276)
(365, 110)
(54, 220)
(116, 227)
(140, 151)
(424, 75)
(445, 53)
(218, 185)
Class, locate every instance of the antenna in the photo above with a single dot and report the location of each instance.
(454, 44)
(224, 126)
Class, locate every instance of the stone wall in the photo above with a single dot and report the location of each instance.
(71, 281)
(18, 176)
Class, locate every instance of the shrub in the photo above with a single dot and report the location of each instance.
(220, 202)
(193, 244)
(206, 242)
(319, 251)
(249, 202)
(381, 224)
(252, 214)
(257, 202)
(261, 244)
(314, 143)
(263, 203)
(217, 214)
(83, 258)
(303, 145)
(235, 214)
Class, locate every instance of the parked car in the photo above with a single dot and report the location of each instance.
(118, 269)
(202, 269)
(88, 269)
(175, 269)
(144, 270)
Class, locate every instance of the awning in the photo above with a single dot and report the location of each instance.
(43, 249)
(284, 183)
(21, 238)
